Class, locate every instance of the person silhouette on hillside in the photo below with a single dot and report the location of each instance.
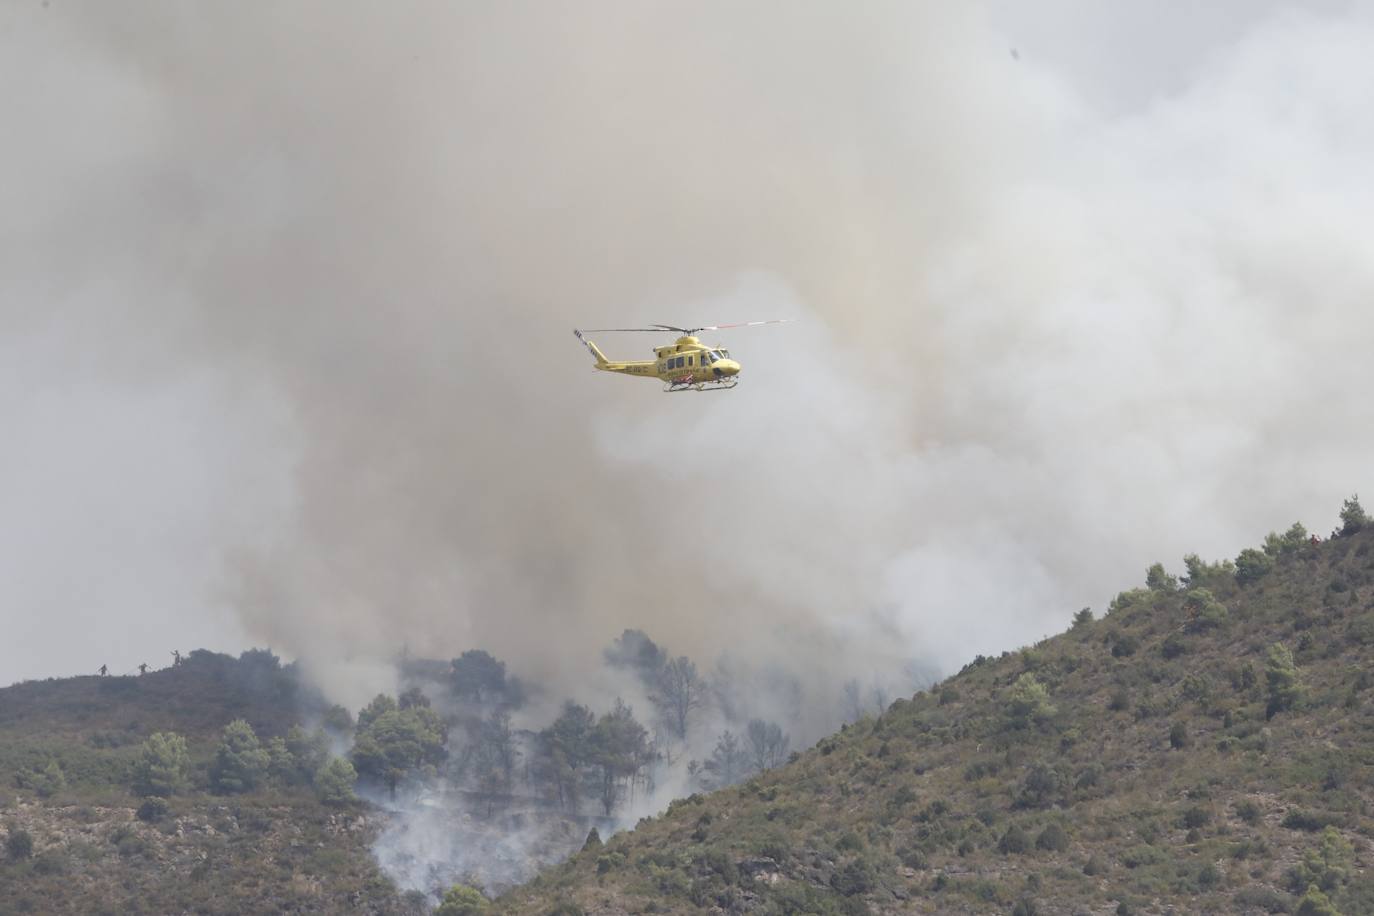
(142, 669)
(176, 659)
(104, 671)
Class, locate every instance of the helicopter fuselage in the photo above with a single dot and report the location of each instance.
(685, 363)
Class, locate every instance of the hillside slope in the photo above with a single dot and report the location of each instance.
(75, 843)
(1167, 758)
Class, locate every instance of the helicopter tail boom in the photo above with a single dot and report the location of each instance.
(600, 357)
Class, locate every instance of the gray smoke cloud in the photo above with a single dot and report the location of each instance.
(287, 291)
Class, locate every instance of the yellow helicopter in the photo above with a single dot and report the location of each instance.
(687, 364)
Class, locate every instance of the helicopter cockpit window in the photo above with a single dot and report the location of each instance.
(724, 354)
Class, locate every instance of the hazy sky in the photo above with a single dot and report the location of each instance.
(286, 293)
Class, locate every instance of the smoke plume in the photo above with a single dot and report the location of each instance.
(288, 289)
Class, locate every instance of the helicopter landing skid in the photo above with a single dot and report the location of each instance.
(718, 385)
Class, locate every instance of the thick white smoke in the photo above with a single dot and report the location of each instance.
(314, 266)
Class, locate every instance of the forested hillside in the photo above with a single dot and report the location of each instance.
(223, 785)
(1205, 746)
(194, 788)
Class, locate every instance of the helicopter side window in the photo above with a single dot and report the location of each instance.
(689, 360)
(680, 362)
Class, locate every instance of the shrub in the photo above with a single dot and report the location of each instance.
(1253, 565)
(1250, 849)
(1288, 543)
(1204, 611)
(1281, 674)
(1197, 688)
(240, 761)
(1053, 839)
(1260, 898)
(462, 900)
(153, 810)
(18, 845)
(1353, 517)
(849, 842)
(1082, 618)
(1142, 854)
(1039, 788)
(1360, 631)
(1327, 867)
(903, 797)
(609, 862)
(1308, 821)
(1089, 776)
(1173, 646)
(1178, 736)
(1120, 700)
(1196, 817)
(1315, 903)
(129, 844)
(935, 809)
(1201, 573)
(1157, 580)
(334, 782)
(980, 769)
(1124, 645)
(52, 862)
(855, 877)
(1243, 678)
(161, 766)
(1248, 812)
(913, 857)
(308, 751)
(1013, 842)
(1028, 702)
(1132, 598)
(46, 782)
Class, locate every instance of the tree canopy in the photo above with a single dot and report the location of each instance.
(161, 766)
(397, 742)
(241, 761)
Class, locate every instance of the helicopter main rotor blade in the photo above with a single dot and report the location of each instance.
(658, 330)
(742, 324)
